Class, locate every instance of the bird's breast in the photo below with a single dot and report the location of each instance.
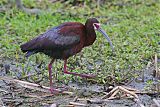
(72, 51)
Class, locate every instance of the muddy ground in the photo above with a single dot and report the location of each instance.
(14, 95)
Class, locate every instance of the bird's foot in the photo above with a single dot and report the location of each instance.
(57, 90)
(81, 75)
(87, 75)
(54, 91)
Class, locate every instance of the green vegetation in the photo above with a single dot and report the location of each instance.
(133, 26)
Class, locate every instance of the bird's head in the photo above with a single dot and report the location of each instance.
(97, 26)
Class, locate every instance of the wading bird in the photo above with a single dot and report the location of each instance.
(64, 41)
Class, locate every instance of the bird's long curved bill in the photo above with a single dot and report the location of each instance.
(107, 37)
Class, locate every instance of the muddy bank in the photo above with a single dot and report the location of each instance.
(12, 94)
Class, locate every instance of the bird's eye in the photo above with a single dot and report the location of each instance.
(96, 25)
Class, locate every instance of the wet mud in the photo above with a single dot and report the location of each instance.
(14, 95)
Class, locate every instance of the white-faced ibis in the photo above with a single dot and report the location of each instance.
(64, 41)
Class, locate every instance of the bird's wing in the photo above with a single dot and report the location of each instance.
(55, 38)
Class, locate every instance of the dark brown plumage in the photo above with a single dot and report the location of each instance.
(64, 41)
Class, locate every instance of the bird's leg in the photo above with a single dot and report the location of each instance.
(50, 77)
(73, 73)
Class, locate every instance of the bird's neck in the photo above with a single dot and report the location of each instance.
(91, 36)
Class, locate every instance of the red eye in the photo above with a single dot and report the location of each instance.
(96, 25)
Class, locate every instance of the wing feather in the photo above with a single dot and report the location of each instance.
(55, 38)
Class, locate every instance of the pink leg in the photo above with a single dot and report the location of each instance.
(73, 73)
(53, 90)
